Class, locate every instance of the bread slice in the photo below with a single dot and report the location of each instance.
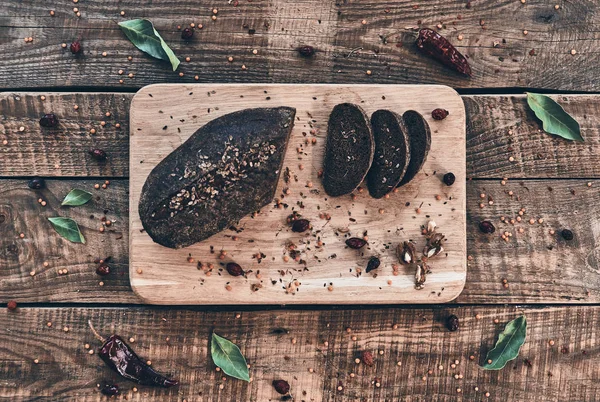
(420, 142)
(392, 153)
(227, 169)
(348, 151)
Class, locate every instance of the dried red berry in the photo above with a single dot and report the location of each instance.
(367, 358)
(452, 323)
(439, 114)
(37, 183)
(97, 154)
(567, 234)
(306, 51)
(187, 33)
(449, 179)
(75, 47)
(300, 225)
(281, 386)
(487, 227)
(49, 120)
(11, 305)
(373, 264)
(109, 389)
(103, 270)
(356, 243)
(234, 269)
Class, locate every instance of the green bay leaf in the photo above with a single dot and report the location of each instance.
(67, 228)
(554, 118)
(145, 37)
(77, 197)
(227, 356)
(508, 346)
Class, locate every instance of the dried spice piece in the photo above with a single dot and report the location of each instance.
(98, 154)
(281, 386)
(406, 252)
(487, 227)
(449, 179)
(109, 389)
(11, 305)
(300, 225)
(435, 45)
(554, 118)
(228, 357)
(373, 264)
(356, 243)
(187, 33)
(103, 270)
(306, 51)
(566, 234)
(121, 358)
(234, 269)
(439, 114)
(145, 37)
(435, 245)
(75, 47)
(49, 120)
(67, 228)
(421, 271)
(452, 323)
(367, 358)
(508, 346)
(37, 183)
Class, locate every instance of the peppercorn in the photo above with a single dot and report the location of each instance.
(234, 269)
(75, 47)
(187, 33)
(49, 120)
(566, 234)
(97, 154)
(439, 114)
(372, 264)
(367, 358)
(452, 323)
(487, 227)
(356, 243)
(281, 386)
(449, 179)
(103, 270)
(11, 305)
(36, 183)
(300, 225)
(306, 51)
(109, 389)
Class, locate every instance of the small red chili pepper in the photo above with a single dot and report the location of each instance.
(121, 358)
(435, 45)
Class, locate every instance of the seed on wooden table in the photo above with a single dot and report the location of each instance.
(122, 13)
(188, 59)
(52, 13)
(104, 54)
(573, 52)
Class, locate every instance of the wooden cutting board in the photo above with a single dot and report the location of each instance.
(163, 116)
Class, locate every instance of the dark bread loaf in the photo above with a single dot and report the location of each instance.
(348, 151)
(420, 142)
(227, 169)
(392, 153)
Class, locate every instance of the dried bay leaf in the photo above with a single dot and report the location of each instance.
(508, 346)
(76, 197)
(145, 37)
(67, 228)
(229, 358)
(554, 118)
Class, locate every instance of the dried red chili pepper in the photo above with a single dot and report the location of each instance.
(121, 358)
(435, 45)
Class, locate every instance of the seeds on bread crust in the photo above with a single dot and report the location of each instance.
(420, 142)
(392, 153)
(349, 149)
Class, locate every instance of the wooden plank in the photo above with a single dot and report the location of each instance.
(312, 350)
(567, 273)
(350, 38)
(497, 127)
(165, 116)
(27, 149)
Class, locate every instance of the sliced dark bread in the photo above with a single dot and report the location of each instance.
(392, 153)
(227, 169)
(420, 142)
(348, 151)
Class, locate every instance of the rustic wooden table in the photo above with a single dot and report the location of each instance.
(511, 45)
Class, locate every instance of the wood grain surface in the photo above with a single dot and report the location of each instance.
(558, 362)
(351, 37)
(165, 116)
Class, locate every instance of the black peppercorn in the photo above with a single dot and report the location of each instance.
(97, 154)
(109, 389)
(487, 227)
(75, 47)
(566, 234)
(36, 183)
(103, 270)
(452, 323)
(187, 33)
(449, 179)
(373, 264)
(300, 225)
(306, 51)
(49, 120)
(281, 386)
(439, 114)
